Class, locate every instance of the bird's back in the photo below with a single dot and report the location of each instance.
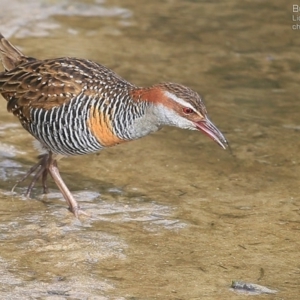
(68, 104)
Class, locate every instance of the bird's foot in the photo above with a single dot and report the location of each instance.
(77, 211)
(41, 171)
(47, 164)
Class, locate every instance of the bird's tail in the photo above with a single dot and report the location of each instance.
(10, 56)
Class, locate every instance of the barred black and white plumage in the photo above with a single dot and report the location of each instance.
(76, 106)
(63, 130)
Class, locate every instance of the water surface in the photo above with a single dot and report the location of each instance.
(173, 216)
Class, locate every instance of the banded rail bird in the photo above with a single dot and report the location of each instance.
(76, 106)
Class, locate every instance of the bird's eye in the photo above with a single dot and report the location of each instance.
(187, 110)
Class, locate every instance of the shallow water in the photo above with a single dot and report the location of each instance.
(173, 216)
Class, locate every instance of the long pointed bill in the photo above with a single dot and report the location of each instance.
(212, 131)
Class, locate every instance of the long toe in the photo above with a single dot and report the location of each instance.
(77, 211)
(39, 170)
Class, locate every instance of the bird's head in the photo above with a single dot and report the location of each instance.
(177, 105)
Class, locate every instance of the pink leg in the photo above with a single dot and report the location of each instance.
(44, 182)
(48, 164)
(54, 172)
(38, 168)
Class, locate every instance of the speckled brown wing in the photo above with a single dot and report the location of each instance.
(30, 83)
(41, 84)
(50, 83)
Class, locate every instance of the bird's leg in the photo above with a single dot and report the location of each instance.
(73, 205)
(39, 167)
(36, 177)
(44, 182)
(48, 164)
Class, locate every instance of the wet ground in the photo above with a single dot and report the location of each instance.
(173, 216)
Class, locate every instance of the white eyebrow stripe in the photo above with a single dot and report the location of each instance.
(182, 102)
(179, 100)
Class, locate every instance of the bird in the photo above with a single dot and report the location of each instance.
(74, 106)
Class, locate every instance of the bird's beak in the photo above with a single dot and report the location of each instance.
(212, 131)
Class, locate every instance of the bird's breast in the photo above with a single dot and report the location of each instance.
(71, 129)
(100, 125)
